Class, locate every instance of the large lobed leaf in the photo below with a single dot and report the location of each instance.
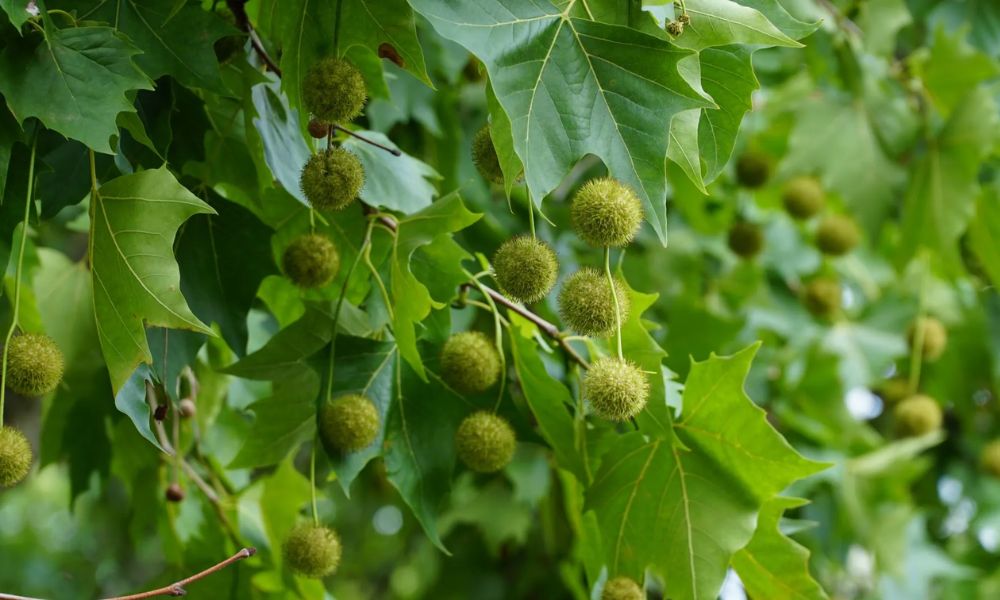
(136, 279)
(573, 87)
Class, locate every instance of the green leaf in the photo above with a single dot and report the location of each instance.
(984, 233)
(503, 141)
(727, 76)
(573, 87)
(136, 279)
(400, 183)
(775, 566)
(277, 125)
(720, 420)
(950, 69)
(420, 447)
(827, 127)
(412, 300)
(941, 198)
(131, 401)
(17, 10)
(76, 82)
(638, 345)
(176, 37)
(282, 421)
(723, 22)
(380, 25)
(223, 259)
(779, 17)
(548, 399)
(659, 506)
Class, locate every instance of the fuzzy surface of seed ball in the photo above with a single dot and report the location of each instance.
(893, 390)
(34, 364)
(470, 362)
(616, 388)
(837, 235)
(935, 337)
(485, 442)
(586, 303)
(525, 268)
(349, 423)
(622, 588)
(484, 156)
(917, 415)
(312, 550)
(746, 240)
(332, 179)
(15, 457)
(311, 261)
(803, 197)
(334, 91)
(822, 296)
(753, 169)
(606, 212)
(990, 458)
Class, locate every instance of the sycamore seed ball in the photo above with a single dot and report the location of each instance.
(935, 337)
(332, 179)
(746, 240)
(470, 362)
(837, 235)
(893, 390)
(484, 156)
(586, 303)
(822, 296)
(803, 197)
(311, 261)
(606, 212)
(334, 91)
(917, 415)
(622, 588)
(525, 268)
(349, 423)
(312, 550)
(34, 364)
(616, 388)
(753, 169)
(15, 457)
(990, 458)
(485, 442)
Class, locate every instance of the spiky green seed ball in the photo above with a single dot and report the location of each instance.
(34, 364)
(334, 91)
(311, 261)
(822, 296)
(15, 457)
(485, 442)
(893, 390)
(990, 458)
(753, 169)
(917, 415)
(332, 179)
(349, 423)
(803, 197)
(470, 362)
(525, 268)
(746, 240)
(606, 212)
(312, 550)
(622, 588)
(484, 156)
(935, 337)
(586, 303)
(616, 388)
(837, 235)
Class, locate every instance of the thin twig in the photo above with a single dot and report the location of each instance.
(391, 151)
(238, 8)
(177, 589)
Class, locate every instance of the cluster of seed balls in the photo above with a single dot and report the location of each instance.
(334, 92)
(604, 213)
(34, 368)
(803, 199)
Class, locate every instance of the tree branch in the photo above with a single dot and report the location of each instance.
(238, 8)
(177, 589)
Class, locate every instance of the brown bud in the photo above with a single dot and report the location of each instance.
(388, 52)
(161, 412)
(187, 408)
(318, 129)
(175, 493)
